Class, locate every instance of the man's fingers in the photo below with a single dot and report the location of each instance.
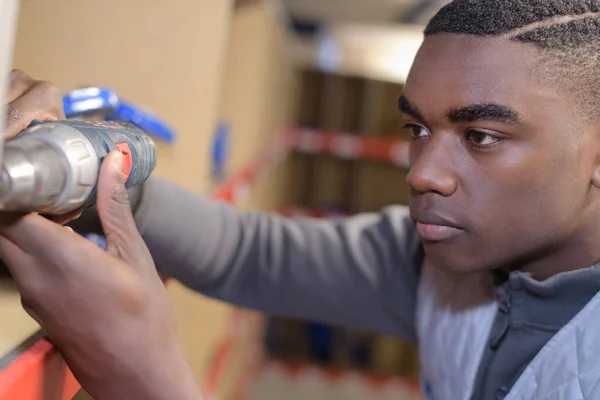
(41, 101)
(18, 262)
(35, 276)
(20, 82)
(63, 219)
(114, 209)
(28, 279)
(44, 239)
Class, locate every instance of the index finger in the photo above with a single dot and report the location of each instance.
(20, 82)
(42, 101)
(16, 261)
(45, 239)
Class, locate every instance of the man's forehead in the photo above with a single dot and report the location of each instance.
(465, 60)
(460, 70)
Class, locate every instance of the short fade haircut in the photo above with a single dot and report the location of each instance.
(566, 32)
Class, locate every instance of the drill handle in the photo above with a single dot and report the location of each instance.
(137, 147)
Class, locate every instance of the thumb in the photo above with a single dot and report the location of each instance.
(114, 209)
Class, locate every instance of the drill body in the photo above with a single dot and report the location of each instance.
(52, 167)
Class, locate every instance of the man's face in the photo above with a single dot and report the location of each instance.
(501, 167)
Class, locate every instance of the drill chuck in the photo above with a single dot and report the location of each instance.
(52, 167)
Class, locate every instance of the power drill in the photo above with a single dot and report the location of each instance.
(52, 167)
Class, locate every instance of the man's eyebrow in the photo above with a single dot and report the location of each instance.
(484, 112)
(405, 107)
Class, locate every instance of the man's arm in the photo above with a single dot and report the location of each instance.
(360, 271)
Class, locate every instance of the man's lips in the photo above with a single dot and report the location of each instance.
(434, 227)
(437, 233)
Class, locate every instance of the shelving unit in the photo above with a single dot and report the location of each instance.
(350, 142)
(350, 156)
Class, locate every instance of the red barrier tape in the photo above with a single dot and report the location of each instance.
(39, 373)
(349, 146)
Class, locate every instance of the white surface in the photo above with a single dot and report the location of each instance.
(380, 52)
(16, 325)
(8, 25)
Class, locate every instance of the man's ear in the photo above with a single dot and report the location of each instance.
(596, 177)
(596, 171)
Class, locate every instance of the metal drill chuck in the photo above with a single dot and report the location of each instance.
(50, 168)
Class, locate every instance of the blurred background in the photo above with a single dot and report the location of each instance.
(287, 106)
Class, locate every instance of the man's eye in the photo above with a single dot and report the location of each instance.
(481, 139)
(417, 131)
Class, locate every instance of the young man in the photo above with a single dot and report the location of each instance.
(493, 266)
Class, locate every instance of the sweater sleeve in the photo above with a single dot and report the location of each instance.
(360, 271)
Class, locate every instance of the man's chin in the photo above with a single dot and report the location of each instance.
(454, 262)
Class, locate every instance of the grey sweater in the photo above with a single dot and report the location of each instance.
(360, 272)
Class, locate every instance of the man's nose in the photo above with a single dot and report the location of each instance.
(432, 170)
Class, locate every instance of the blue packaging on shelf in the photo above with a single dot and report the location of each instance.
(90, 100)
(105, 102)
(320, 339)
(144, 120)
(220, 150)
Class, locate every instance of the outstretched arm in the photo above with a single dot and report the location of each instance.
(360, 271)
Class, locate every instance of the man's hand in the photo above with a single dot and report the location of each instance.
(107, 311)
(30, 100)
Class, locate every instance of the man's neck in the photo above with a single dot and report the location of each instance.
(581, 251)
